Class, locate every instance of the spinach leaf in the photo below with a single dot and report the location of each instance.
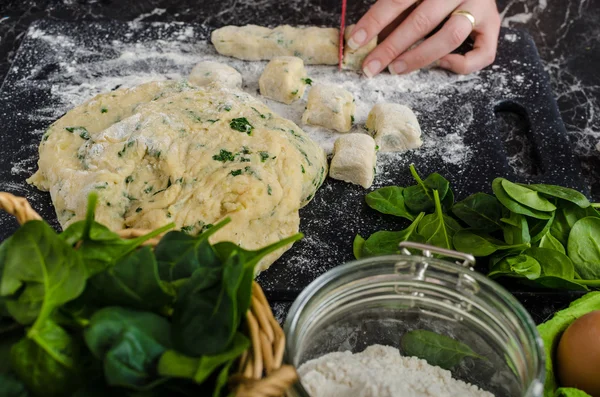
(436, 349)
(10, 386)
(386, 243)
(516, 229)
(357, 246)
(176, 365)
(517, 266)
(419, 198)
(438, 229)
(99, 246)
(540, 228)
(180, 254)
(570, 392)
(129, 343)
(573, 213)
(480, 211)
(513, 205)
(551, 242)
(132, 282)
(562, 193)
(554, 263)
(389, 200)
(560, 228)
(41, 271)
(478, 245)
(527, 197)
(205, 314)
(46, 362)
(584, 247)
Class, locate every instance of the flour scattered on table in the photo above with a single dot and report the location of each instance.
(380, 371)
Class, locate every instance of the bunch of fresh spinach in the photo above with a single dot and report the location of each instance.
(86, 313)
(541, 235)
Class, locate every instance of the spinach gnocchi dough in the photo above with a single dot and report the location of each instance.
(169, 152)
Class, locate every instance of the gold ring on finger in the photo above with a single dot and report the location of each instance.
(467, 15)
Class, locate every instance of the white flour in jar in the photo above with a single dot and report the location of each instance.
(380, 371)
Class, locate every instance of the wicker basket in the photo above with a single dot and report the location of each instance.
(260, 371)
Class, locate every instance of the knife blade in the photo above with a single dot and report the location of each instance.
(342, 29)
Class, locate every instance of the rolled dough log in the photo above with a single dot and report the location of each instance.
(316, 46)
(394, 127)
(168, 152)
(354, 159)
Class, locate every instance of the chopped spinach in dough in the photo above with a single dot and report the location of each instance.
(169, 152)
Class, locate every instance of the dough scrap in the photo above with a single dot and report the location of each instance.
(395, 127)
(353, 59)
(284, 79)
(209, 72)
(354, 159)
(331, 107)
(168, 152)
(316, 46)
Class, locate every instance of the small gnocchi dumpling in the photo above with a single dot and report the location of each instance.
(394, 127)
(330, 107)
(208, 72)
(353, 59)
(354, 159)
(284, 79)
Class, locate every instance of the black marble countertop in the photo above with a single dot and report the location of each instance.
(566, 32)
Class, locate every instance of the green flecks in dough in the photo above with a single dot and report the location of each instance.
(236, 172)
(149, 189)
(212, 121)
(127, 145)
(244, 160)
(295, 92)
(310, 197)
(108, 204)
(262, 116)
(224, 156)
(194, 116)
(103, 109)
(138, 209)
(155, 153)
(307, 81)
(269, 190)
(179, 180)
(169, 215)
(264, 156)
(352, 119)
(129, 179)
(376, 147)
(46, 135)
(82, 131)
(302, 168)
(187, 229)
(245, 150)
(101, 186)
(241, 124)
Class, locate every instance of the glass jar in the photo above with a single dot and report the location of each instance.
(376, 300)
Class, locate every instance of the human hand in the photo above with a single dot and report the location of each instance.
(396, 51)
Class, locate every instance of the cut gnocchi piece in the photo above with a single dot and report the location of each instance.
(208, 72)
(394, 127)
(354, 159)
(353, 59)
(330, 107)
(284, 79)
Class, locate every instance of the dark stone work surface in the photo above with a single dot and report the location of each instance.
(567, 34)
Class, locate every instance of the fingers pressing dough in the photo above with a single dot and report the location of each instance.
(353, 59)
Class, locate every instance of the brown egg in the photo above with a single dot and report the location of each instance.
(578, 355)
